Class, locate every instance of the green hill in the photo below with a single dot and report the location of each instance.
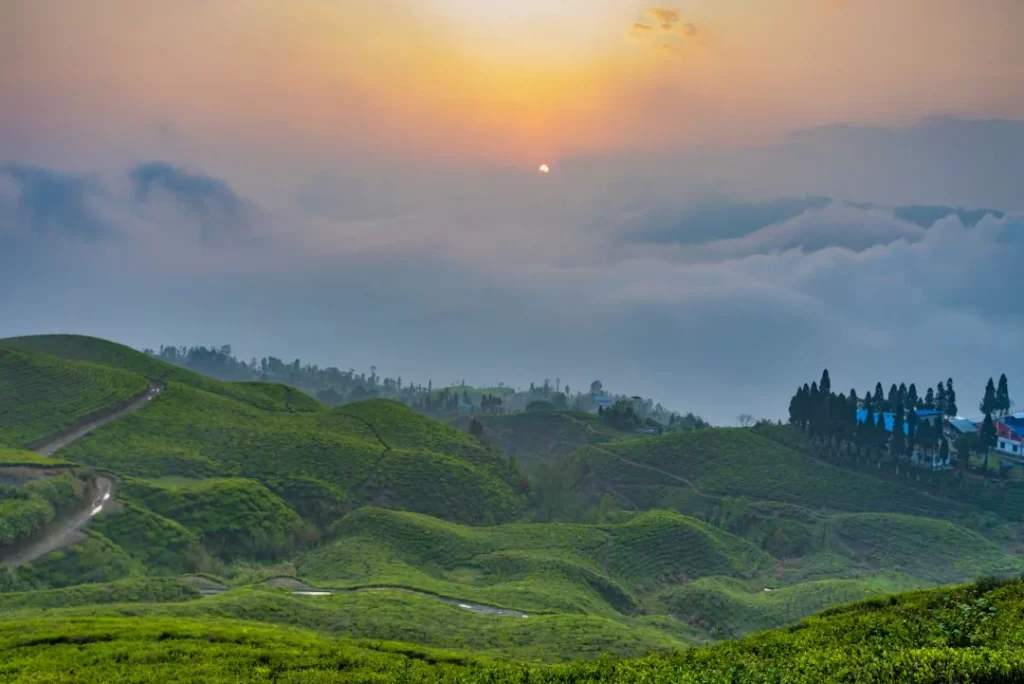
(41, 395)
(537, 436)
(961, 634)
(96, 351)
(739, 462)
(934, 551)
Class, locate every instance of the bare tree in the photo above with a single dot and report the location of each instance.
(745, 420)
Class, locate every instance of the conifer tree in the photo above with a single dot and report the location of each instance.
(951, 408)
(898, 441)
(988, 403)
(825, 386)
(911, 402)
(940, 397)
(893, 399)
(879, 398)
(1003, 403)
(929, 399)
(988, 433)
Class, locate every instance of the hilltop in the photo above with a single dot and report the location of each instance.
(608, 540)
(966, 633)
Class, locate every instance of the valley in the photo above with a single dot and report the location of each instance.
(143, 496)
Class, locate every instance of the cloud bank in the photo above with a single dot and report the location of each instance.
(507, 279)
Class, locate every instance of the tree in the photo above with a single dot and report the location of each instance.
(988, 403)
(898, 441)
(745, 420)
(912, 396)
(879, 397)
(476, 428)
(940, 397)
(1003, 403)
(894, 397)
(951, 408)
(825, 386)
(988, 433)
(596, 387)
(929, 399)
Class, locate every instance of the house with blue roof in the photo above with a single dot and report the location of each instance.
(920, 457)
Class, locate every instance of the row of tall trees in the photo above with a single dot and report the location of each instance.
(335, 386)
(823, 414)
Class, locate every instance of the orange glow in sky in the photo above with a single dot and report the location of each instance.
(509, 82)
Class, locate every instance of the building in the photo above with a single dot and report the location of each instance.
(1010, 437)
(922, 458)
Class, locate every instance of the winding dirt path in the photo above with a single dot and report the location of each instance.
(76, 432)
(67, 530)
(299, 588)
(63, 532)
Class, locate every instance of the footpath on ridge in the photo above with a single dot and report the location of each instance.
(67, 530)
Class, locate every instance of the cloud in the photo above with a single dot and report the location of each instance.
(666, 17)
(618, 269)
(48, 202)
(199, 192)
(664, 28)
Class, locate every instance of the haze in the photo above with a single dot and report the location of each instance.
(356, 184)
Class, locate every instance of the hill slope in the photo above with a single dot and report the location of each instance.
(42, 395)
(962, 634)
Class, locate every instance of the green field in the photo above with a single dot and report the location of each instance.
(41, 395)
(963, 634)
(611, 543)
(24, 508)
(537, 436)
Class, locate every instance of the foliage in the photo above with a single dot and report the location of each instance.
(266, 396)
(231, 516)
(161, 544)
(95, 559)
(41, 395)
(18, 457)
(141, 590)
(26, 508)
(903, 639)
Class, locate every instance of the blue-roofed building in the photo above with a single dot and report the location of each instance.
(890, 418)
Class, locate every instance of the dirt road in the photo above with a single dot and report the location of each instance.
(54, 444)
(67, 530)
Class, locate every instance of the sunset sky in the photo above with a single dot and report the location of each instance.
(302, 147)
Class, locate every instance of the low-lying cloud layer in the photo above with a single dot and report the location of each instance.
(516, 279)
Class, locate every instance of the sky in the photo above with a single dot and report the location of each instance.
(742, 192)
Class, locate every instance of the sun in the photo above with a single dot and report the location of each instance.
(544, 168)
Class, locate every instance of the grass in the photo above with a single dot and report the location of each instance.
(732, 608)
(740, 462)
(554, 567)
(10, 458)
(25, 508)
(96, 559)
(934, 551)
(231, 516)
(402, 616)
(161, 544)
(41, 395)
(269, 397)
(143, 590)
(538, 436)
(962, 634)
(337, 454)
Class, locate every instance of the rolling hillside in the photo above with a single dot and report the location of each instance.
(41, 395)
(966, 633)
(620, 544)
(537, 436)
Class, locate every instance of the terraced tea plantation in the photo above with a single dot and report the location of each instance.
(588, 542)
(42, 395)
